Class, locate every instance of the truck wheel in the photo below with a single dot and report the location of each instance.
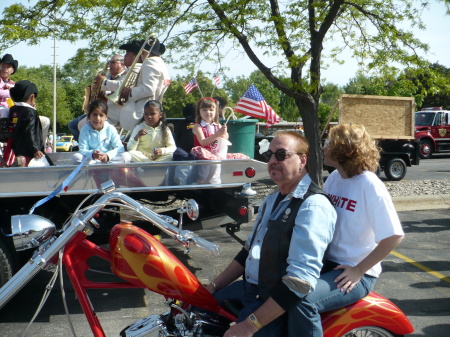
(5, 264)
(425, 149)
(395, 169)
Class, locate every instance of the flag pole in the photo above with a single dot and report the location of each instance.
(198, 86)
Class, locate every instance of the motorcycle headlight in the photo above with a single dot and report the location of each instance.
(30, 231)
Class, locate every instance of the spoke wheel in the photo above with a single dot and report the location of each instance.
(369, 331)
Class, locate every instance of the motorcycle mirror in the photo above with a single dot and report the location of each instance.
(192, 210)
(30, 231)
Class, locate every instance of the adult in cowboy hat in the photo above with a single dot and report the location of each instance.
(152, 81)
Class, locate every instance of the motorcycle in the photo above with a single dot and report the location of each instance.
(140, 260)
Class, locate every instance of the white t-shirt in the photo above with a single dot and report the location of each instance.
(366, 215)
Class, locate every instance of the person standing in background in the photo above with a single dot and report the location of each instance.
(109, 84)
(152, 81)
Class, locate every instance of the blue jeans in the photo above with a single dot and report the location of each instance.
(73, 126)
(327, 297)
(304, 315)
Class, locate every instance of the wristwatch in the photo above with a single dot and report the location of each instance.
(255, 321)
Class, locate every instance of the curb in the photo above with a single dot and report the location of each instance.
(421, 202)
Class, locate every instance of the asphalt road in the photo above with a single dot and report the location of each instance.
(437, 167)
(416, 277)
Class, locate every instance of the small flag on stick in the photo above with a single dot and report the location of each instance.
(191, 85)
(252, 103)
(217, 80)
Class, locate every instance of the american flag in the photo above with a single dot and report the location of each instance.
(217, 81)
(254, 104)
(191, 85)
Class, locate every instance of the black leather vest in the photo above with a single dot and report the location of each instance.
(275, 246)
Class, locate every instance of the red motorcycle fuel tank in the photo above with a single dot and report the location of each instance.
(139, 258)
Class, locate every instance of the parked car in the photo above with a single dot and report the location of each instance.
(65, 144)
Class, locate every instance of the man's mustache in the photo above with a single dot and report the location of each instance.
(274, 167)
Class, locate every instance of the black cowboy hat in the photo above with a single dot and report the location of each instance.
(23, 89)
(134, 46)
(7, 58)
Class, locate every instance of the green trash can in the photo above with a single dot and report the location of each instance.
(242, 136)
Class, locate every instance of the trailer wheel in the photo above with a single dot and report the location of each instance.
(425, 149)
(5, 264)
(395, 169)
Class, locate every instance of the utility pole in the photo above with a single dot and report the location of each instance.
(54, 95)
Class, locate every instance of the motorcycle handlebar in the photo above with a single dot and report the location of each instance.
(188, 236)
(185, 237)
(205, 244)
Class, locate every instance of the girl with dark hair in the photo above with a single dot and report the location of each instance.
(151, 139)
(99, 139)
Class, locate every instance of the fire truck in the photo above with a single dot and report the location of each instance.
(432, 131)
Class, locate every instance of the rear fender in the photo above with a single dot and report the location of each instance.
(372, 310)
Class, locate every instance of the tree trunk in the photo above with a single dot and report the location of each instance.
(309, 112)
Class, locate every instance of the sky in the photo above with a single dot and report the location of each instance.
(437, 35)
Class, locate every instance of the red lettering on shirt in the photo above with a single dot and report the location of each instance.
(351, 205)
(342, 202)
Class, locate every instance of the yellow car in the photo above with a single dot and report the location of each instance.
(65, 144)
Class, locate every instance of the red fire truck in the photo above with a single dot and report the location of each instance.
(432, 131)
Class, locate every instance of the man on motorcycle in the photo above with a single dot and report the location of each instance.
(282, 258)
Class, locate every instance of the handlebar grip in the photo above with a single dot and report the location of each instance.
(206, 245)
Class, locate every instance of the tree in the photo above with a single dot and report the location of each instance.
(294, 32)
(43, 78)
(429, 85)
(433, 85)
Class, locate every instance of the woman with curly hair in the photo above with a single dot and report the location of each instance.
(367, 227)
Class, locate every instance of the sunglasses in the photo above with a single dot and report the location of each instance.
(280, 154)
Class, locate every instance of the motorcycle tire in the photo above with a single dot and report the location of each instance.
(6, 267)
(370, 331)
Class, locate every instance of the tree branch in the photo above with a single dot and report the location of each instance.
(248, 49)
(296, 70)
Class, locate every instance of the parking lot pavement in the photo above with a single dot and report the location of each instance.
(416, 278)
